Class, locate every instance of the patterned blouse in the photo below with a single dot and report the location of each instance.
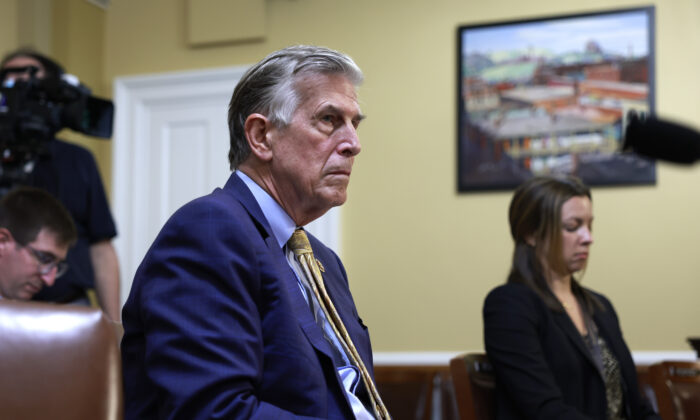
(611, 375)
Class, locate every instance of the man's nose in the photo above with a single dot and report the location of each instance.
(350, 141)
(50, 277)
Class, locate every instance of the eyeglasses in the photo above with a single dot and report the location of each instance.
(47, 261)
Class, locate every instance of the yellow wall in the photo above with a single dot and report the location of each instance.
(8, 25)
(78, 44)
(431, 254)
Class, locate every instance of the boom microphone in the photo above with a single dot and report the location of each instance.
(659, 139)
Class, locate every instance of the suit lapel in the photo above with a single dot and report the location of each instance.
(565, 323)
(336, 284)
(300, 308)
(303, 313)
(337, 296)
(604, 330)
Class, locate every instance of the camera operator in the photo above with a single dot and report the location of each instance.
(35, 234)
(69, 173)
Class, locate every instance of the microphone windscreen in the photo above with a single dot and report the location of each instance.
(659, 139)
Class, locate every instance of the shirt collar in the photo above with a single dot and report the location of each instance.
(282, 225)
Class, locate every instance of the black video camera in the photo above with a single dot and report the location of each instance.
(32, 111)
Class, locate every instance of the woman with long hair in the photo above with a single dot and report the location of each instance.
(556, 347)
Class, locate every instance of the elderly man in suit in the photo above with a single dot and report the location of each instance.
(226, 318)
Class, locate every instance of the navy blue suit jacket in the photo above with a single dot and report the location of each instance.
(216, 325)
(544, 369)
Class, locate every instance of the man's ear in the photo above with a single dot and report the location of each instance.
(6, 240)
(257, 131)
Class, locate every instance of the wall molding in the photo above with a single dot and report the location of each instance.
(436, 358)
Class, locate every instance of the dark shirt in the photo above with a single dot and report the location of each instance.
(70, 174)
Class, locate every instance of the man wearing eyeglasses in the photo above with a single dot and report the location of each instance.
(36, 232)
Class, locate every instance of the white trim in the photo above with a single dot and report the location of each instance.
(440, 358)
(102, 4)
(430, 358)
(644, 357)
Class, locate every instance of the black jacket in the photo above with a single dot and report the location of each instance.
(543, 368)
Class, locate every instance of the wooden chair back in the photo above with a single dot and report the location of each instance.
(474, 385)
(677, 389)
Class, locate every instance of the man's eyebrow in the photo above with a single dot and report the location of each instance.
(334, 109)
(47, 255)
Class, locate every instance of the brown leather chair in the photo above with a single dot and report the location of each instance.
(677, 389)
(58, 362)
(645, 388)
(475, 386)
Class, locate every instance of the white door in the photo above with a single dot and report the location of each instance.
(170, 146)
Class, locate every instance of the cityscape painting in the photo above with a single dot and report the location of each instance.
(551, 95)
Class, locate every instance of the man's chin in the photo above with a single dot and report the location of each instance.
(333, 195)
(27, 293)
(23, 296)
(337, 200)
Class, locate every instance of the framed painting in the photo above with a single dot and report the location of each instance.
(552, 95)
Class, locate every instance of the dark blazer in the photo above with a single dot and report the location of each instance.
(542, 365)
(216, 326)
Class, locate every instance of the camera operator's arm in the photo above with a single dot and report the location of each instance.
(106, 267)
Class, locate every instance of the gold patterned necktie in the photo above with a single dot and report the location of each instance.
(299, 244)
